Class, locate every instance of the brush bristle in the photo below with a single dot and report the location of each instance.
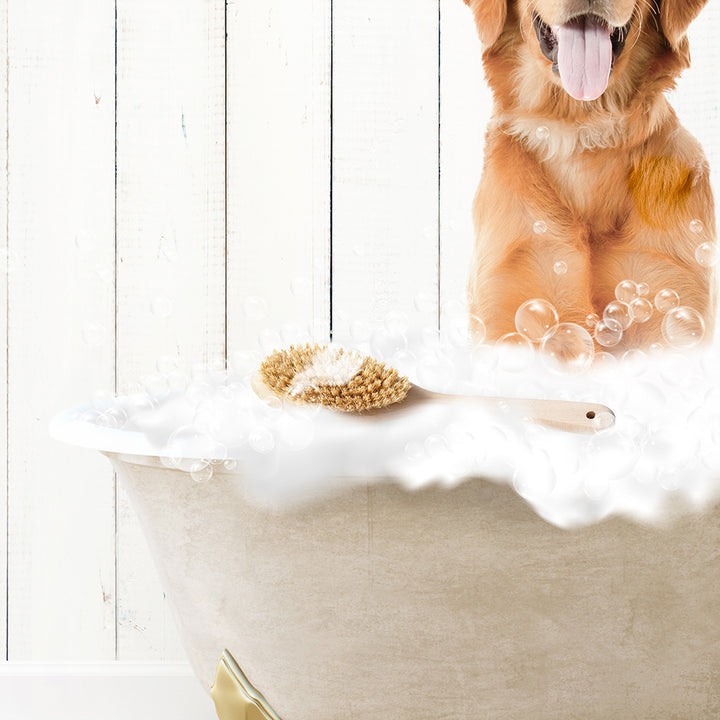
(337, 378)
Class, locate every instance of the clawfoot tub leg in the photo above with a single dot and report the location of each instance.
(234, 697)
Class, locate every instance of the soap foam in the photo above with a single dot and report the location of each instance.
(661, 456)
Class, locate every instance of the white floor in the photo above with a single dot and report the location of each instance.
(112, 691)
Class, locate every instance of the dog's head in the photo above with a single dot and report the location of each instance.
(577, 44)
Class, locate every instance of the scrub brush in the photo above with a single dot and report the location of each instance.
(350, 382)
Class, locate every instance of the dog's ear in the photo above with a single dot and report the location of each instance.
(489, 17)
(676, 16)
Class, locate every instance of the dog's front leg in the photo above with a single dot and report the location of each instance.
(528, 245)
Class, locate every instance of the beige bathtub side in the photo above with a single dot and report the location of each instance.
(440, 603)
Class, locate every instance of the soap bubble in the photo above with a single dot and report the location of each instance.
(560, 267)
(641, 309)
(542, 132)
(683, 327)
(696, 226)
(571, 345)
(113, 418)
(625, 291)
(620, 312)
(608, 332)
(539, 227)
(706, 254)
(201, 471)
(536, 318)
(643, 288)
(592, 320)
(261, 440)
(478, 330)
(161, 306)
(666, 299)
(230, 465)
(255, 307)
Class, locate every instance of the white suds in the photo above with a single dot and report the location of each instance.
(662, 455)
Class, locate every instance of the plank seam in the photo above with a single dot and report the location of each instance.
(439, 157)
(115, 341)
(7, 331)
(225, 179)
(332, 152)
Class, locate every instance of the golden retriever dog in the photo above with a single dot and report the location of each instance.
(589, 179)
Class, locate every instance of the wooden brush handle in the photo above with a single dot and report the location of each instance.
(568, 415)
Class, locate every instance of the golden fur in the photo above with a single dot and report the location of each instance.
(616, 181)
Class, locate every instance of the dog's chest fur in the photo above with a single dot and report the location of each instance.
(586, 182)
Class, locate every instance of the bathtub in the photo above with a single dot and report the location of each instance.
(377, 599)
(417, 605)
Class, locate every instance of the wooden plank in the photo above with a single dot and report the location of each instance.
(111, 690)
(3, 324)
(170, 242)
(696, 96)
(278, 172)
(465, 107)
(385, 162)
(60, 326)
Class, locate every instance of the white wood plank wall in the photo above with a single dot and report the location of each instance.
(180, 182)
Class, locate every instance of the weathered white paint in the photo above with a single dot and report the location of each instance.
(170, 242)
(60, 316)
(385, 162)
(3, 326)
(278, 172)
(465, 106)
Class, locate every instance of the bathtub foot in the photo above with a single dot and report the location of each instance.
(235, 698)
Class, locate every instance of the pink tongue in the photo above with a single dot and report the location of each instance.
(584, 57)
